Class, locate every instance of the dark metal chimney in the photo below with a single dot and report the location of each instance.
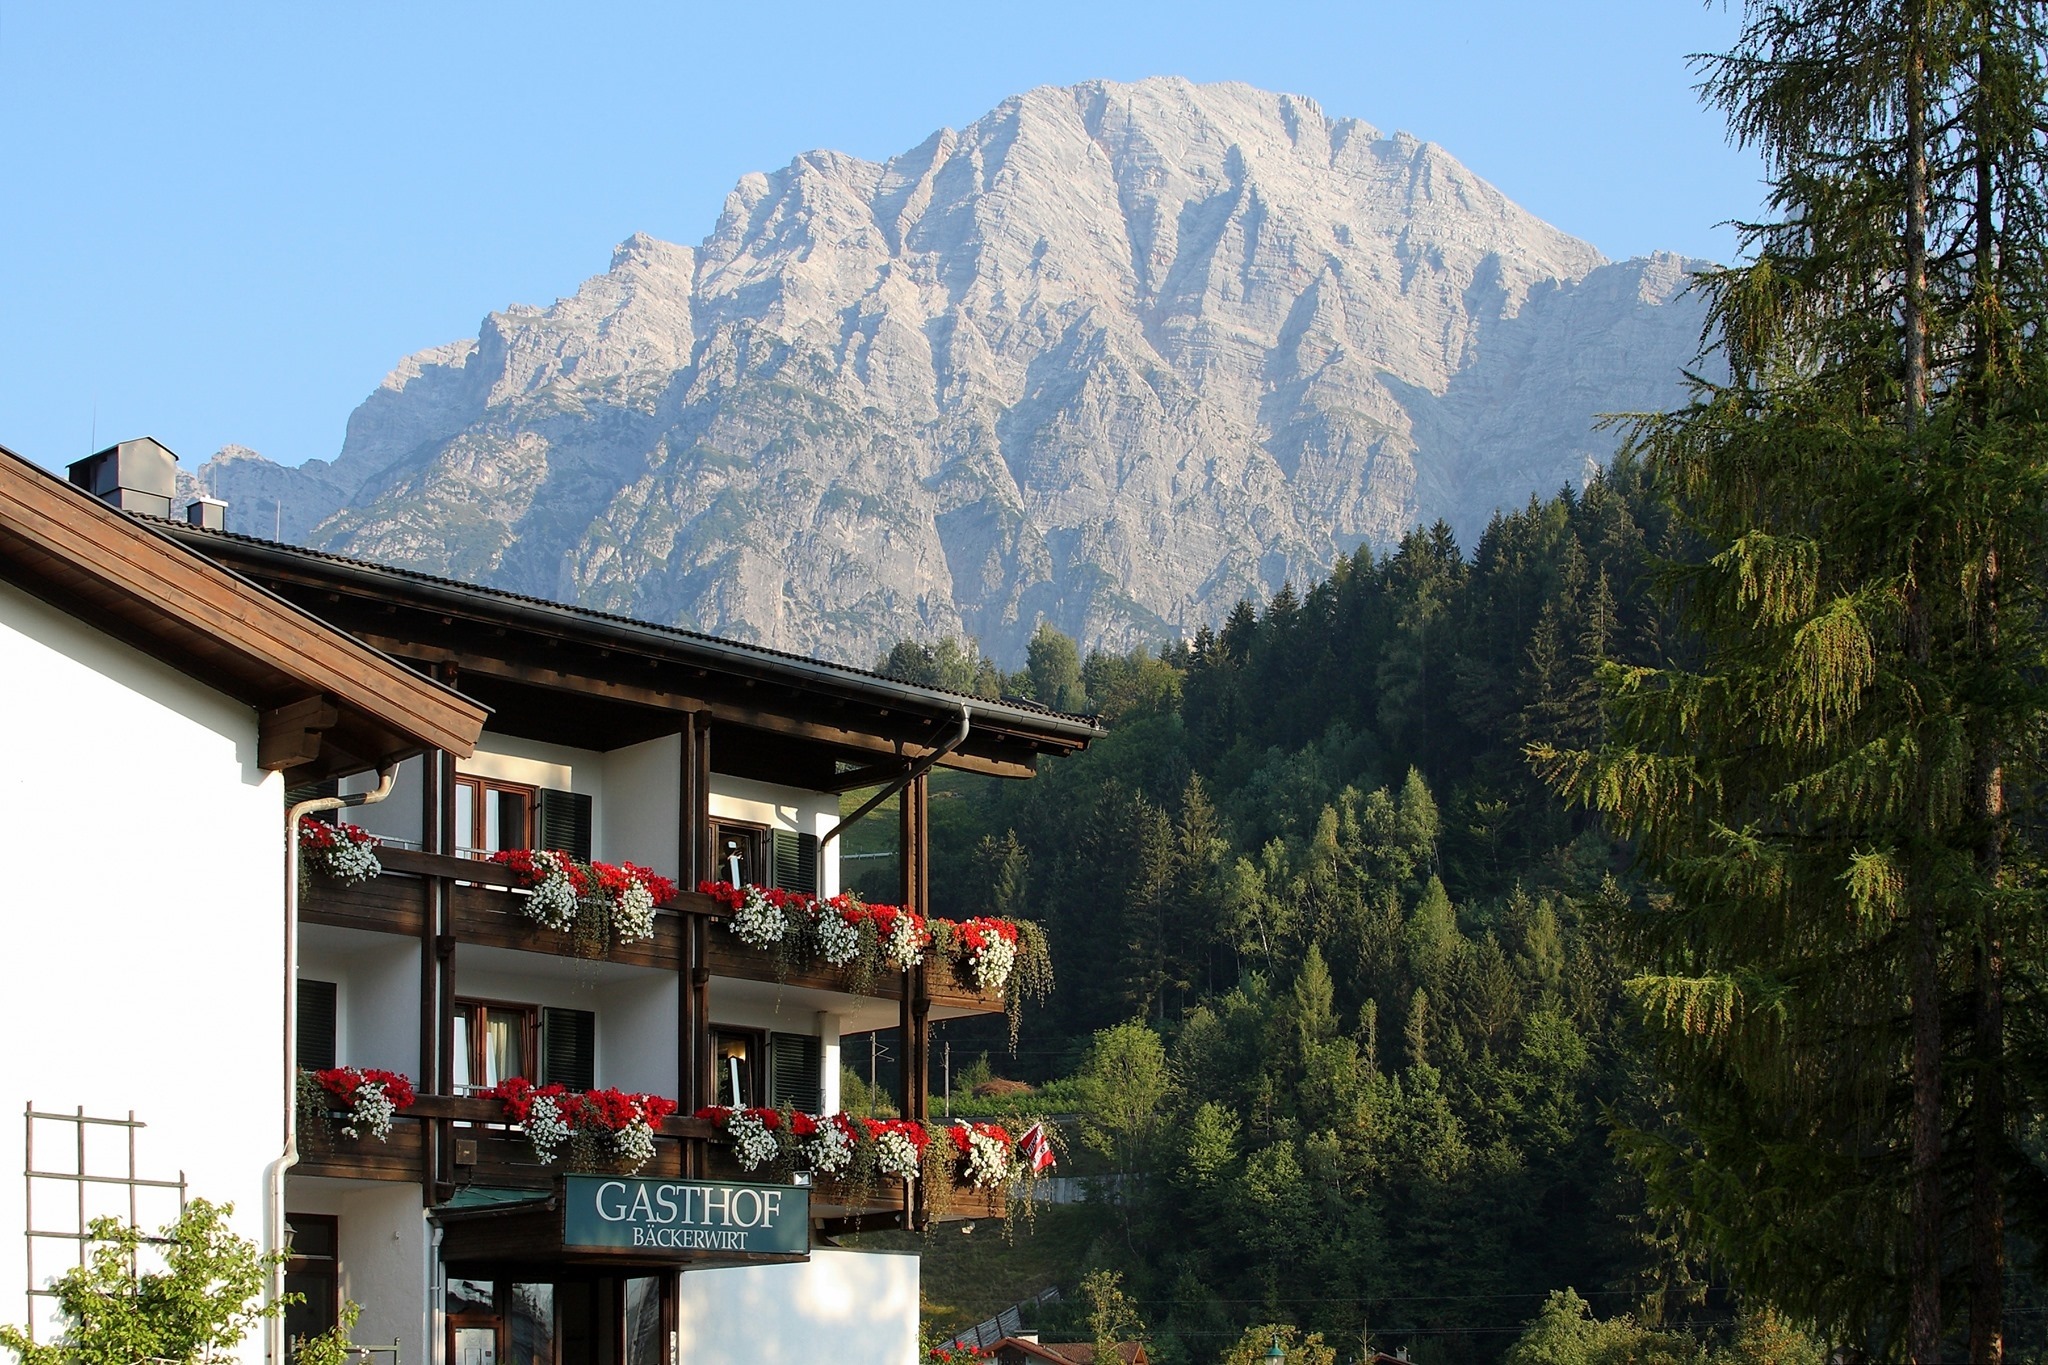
(135, 476)
(209, 514)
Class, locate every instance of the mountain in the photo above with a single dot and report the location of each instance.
(1113, 356)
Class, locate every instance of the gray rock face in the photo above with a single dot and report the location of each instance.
(1114, 355)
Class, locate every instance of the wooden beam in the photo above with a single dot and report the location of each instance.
(290, 735)
(873, 775)
(726, 713)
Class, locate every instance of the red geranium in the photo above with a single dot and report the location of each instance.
(343, 1081)
(959, 1133)
(725, 893)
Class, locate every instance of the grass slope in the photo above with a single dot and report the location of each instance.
(969, 1277)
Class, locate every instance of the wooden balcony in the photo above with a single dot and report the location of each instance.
(483, 905)
(480, 1149)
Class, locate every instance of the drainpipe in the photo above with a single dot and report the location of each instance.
(910, 775)
(273, 1176)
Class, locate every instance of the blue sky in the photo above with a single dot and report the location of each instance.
(225, 223)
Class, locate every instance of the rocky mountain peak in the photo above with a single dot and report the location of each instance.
(1112, 355)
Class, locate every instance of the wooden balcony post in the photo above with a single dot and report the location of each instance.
(434, 798)
(437, 967)
(695, 858)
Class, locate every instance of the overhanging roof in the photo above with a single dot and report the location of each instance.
(328, 702)
(549, 666)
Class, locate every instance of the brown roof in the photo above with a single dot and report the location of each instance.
(524, 655)
(328, 703)
(1065, 1352)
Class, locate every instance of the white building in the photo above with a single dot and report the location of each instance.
(155, 713)
(610, 739)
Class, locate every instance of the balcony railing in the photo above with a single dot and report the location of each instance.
(479, 1148)
(483, 906)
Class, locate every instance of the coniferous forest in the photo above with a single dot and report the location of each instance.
(1307, 896)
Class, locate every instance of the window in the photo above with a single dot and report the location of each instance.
(568, 1048)
(796, 861)
(313, 1271)
(491, 816)
(747, 843)
(316, 1040)
(796, 1074)
(495, 1041)
(563, 822)
(739, 1054)
(781, 858)
(772, 1070)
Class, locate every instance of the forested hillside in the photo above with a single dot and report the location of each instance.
(1309, 858)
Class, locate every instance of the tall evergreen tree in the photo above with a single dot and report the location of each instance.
(1829, 791)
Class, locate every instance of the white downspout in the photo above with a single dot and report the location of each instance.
(274, 1233)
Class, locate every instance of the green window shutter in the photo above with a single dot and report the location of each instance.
(316, 1041)
(565, 822)
(796, 1073)
(568, 1046)
(796, 862)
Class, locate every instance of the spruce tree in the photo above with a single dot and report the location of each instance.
(1831, 787)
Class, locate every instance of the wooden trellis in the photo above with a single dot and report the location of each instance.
(67, 1200)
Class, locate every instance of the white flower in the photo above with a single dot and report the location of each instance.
(553, 901)
(370, 1108)
(988, 1160)
(896, 1154)
(903, 947)
(351, 864)
(634, 1143)
(828, 1151)
(992, 963)
(633, 916)
(344, 854)
(759, 922)
(545, 1128)
(752, 1143)
(838, 941)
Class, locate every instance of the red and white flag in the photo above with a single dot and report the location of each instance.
(1035, 1148)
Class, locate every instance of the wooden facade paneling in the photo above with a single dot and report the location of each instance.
(491, 918)
(486, 915)
(728, 957)
(486, 1152)
(364, 1158)
(386, 905)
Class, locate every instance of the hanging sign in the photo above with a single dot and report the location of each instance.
(680, 1216)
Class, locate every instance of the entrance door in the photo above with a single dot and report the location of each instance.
(474, 1346)
(594, 1320)
(473, 1322)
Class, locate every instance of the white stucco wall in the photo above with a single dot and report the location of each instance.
(377, 996)
(841, 1305)
(385, 1250)
(636, 1007)
(643, 788)
(636, 798)
(789, 808)
(637, 1023)
(145, 938)
(507, 759)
